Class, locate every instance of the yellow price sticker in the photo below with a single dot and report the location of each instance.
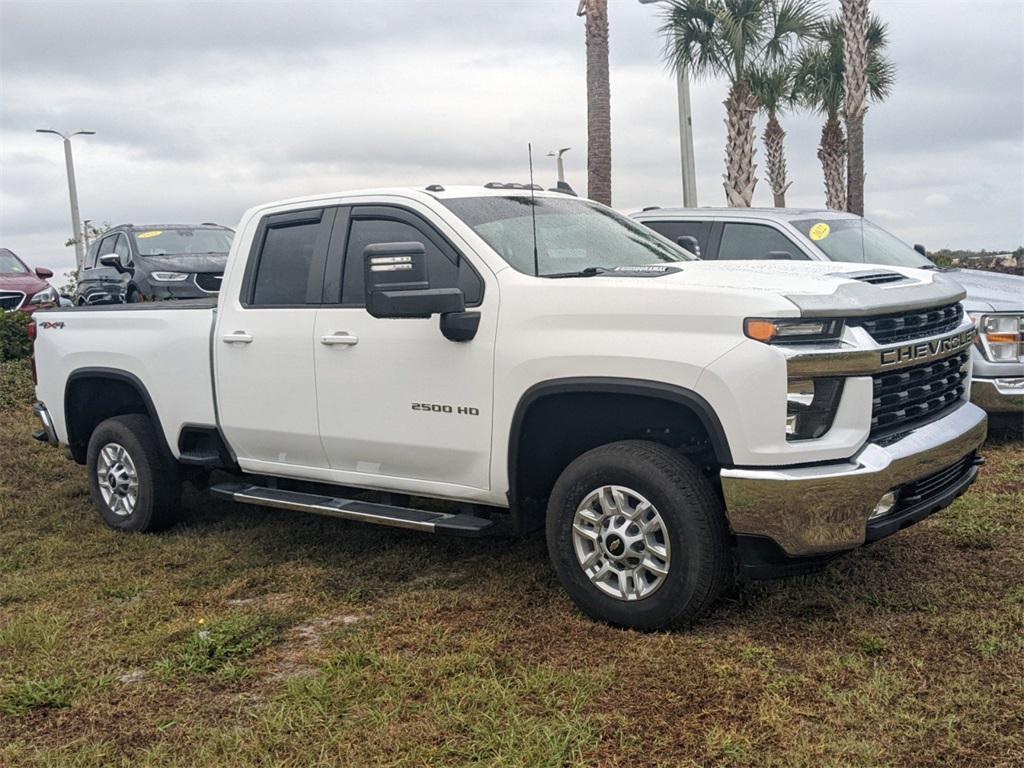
(154, 233)
(820, 231)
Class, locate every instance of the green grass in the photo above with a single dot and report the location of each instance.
(247, 637)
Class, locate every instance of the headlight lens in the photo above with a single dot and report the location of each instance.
(170, 277)
(48, 295)
(1001, 337)
(811, 407)
(791, 329)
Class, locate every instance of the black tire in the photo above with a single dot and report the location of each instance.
(158, 495)
(133, 296)
(700, 568)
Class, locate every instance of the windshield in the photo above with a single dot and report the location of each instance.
(860, 241)
(182, 240)
(572, 235)
(11, 264)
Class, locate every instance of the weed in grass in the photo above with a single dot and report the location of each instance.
(23, 696)
(219, 647)
(31, 633)
(872, 645)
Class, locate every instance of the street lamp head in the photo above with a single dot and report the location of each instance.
(50, 130)
(84, 133)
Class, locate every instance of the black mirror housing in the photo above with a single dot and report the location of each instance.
(921, 249)
(689, 243)
(396, 285)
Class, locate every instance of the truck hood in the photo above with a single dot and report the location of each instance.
(989, 291)
(207, 262)
(826, 289)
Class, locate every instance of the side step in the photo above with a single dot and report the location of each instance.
(350, 509)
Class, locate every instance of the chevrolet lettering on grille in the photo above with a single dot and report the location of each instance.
(926, 349)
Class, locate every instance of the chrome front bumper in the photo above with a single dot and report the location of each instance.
(1002, 395)
(818, 509)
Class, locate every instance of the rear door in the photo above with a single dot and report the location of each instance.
(263, 343)
(396, 398)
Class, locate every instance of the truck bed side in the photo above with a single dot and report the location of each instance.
(162, 350)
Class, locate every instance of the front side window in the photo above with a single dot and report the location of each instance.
(858, 240)
(571, 235)
(11, 264)
(755, 241)
(673, 230)
(107, 245)
(284, 264)
(121, 249)
(182, 240)
(442, 269)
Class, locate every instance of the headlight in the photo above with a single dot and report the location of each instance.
(1001, 337)
(48, 295)
(169, 277)
(810, 407)
(791, 329)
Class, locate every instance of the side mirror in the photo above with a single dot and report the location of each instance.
(43, 273)
(921, 249)
(689, 243)
(395, 283)
(780, 255)
(112, 260)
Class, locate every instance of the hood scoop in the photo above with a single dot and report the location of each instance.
(874, 277)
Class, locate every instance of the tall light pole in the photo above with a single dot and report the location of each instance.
(689, 168)
(557, 154)
(76, 226)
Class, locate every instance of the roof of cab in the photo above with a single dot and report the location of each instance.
(785, 214)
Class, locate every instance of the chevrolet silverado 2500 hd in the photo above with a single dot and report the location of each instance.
(534, 360)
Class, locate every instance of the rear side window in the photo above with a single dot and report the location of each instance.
(673, 230)
(286, 261)
(442, 270)
(754, 241)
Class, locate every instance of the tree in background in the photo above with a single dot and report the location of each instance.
(732, 39)
(855, 84)
(599, 119)
(818, 84)
(773, 89)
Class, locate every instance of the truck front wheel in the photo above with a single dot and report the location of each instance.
(134, 483)
(638, 536)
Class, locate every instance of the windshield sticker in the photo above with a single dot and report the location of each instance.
(154, 233)
(819, 231)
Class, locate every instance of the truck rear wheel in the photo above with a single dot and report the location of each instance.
(637, 536)
(134, 483)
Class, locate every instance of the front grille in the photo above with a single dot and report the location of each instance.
(905, 326)
(934, 485)
(10, 300)
(917, 393)
(208, 281)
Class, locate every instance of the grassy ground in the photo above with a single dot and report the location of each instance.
(249, 637)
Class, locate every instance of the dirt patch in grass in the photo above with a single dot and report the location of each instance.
(253, 637)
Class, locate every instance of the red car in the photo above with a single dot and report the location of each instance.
(21, 288)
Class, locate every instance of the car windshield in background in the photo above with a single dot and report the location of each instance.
(11, 264)
(572, 235)
(860, 241)
(181, 240)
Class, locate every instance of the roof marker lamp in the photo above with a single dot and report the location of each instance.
(791, 330)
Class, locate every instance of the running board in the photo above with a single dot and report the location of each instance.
(350, 509)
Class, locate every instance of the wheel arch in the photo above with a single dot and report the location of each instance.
(651, 396)
(92, 395)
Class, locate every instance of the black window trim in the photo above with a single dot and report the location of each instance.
(395, 212)
(324, 215)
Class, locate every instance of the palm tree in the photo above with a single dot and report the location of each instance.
(731, 39)
(599, 121)
(855, 58)
(818, 84)
(773, 88)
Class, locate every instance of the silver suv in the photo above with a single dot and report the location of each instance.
(994, 300)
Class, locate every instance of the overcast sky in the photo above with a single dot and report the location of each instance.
(204, 109)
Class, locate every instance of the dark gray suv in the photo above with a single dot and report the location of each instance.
(130, 263)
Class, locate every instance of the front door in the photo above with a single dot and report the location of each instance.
(266, 387)
(396, 398)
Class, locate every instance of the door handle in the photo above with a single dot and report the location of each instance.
(341, 337)
(238, 337)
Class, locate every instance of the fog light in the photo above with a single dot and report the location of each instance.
(884, 505)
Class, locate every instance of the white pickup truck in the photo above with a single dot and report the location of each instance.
(477, 359)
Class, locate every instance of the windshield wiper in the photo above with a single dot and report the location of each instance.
(586, 272)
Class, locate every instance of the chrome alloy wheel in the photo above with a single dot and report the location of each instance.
(621, 542)
(118, 480)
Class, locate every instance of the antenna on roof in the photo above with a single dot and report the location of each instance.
(533, 211)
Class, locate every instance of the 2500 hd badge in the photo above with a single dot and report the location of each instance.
(927, 349)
